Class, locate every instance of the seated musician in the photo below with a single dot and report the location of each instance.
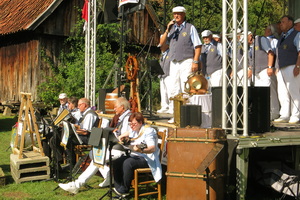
(63, 100)
(73, 108)
(122, 110)
(141, 156)
(88, 120)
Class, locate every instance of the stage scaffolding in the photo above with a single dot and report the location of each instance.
(90, 52)
(232, 22)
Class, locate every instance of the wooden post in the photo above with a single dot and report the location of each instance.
(27, 124)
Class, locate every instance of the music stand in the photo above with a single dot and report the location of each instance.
(155, 67)
(111, 141)
(69, 138)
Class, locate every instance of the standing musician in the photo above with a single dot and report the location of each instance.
(288, 61)
(185, 49)
(144, 154)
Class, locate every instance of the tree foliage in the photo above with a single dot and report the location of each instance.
(204, 14)
(207, 14)
(69, 74)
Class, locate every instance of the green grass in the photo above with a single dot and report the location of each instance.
(36, 189)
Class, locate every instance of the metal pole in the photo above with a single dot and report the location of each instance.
(165, 14)
(224, 63)
(234, 68)
(121, 51)
(245, 66)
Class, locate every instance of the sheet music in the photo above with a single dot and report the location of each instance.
(75, 133)
(66, 134)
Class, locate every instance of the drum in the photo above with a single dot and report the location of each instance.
(110, 99)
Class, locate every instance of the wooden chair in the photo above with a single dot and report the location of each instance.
(81, 148)
(143, 176)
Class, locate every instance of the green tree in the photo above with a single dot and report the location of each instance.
(207, 14)
(69, 75)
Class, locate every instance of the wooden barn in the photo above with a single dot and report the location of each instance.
(31, 30)
(28, 30)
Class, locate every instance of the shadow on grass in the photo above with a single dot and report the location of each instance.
(8, 178)
(7, 123)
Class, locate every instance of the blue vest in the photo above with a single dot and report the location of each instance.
(165, 63)
(287, 53)
(261, 57)
(211, 61)
(181, 47)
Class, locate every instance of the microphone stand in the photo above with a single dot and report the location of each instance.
(55, 160)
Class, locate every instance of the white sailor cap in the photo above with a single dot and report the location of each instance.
(62, 96)
(216, 36)
(297, 21)
(206, 33)
(179, 9)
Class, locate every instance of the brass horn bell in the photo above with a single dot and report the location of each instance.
(196, 84)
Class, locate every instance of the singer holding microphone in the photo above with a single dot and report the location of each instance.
(185, 49)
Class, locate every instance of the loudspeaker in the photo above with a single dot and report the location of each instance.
(110, 11)
(258, 108)
(190, 115)
(155, 67)
(101, 98)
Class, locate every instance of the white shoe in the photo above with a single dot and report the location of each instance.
(281, 120)
(170, 112)
(171, 121)
(69, 187)
(294, 121)
(162, 110)
(105, 183)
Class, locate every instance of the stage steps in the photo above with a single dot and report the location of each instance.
(31, 167)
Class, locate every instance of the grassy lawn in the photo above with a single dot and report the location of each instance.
(46, 189)
(36, 189)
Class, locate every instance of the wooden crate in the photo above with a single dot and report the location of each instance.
(2, 177)
(31, 167)
(188, 149)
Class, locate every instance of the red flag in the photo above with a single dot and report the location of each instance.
(85, 10)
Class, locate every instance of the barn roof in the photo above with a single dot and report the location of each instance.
(18, 15)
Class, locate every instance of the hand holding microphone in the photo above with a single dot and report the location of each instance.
(170, 24)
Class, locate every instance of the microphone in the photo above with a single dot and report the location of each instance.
(173, 20)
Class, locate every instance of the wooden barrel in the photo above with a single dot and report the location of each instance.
(110, 99)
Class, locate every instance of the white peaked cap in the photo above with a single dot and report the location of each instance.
(206, 33)
(179, 9)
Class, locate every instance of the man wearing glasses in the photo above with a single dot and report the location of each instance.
(88, 120)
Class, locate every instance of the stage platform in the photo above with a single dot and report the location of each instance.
(280, 135)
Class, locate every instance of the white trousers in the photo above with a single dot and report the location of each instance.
(165, 94)
(215, 79)
(275, 106)
(179, 72)
(289, 93)
(92, 168)
(263, 80)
